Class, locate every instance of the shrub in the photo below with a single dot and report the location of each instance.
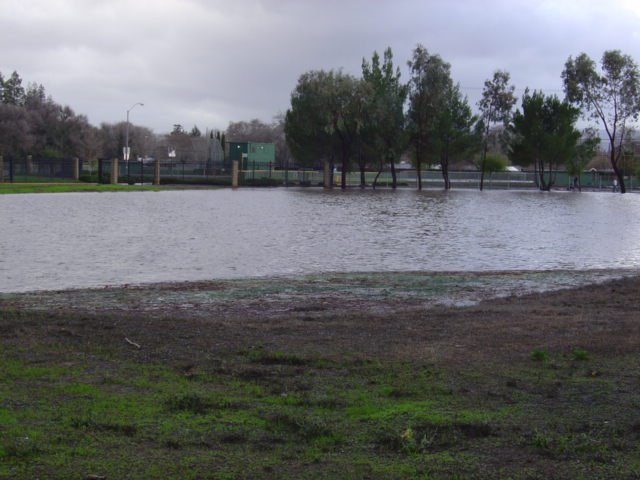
(580, 354)
(538, 355)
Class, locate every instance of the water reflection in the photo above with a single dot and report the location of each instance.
(76, 240)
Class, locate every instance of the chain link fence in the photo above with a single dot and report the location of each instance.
(177, 171)
(39, 169)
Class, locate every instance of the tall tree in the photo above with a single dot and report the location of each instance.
(612, 96)
(453, 132)
(306, 121)
(384, 116)
(326, 118)
(495, 106)
(15, 136)
(430, 82)
(34, 96)
(13, 91)
(346, 104)
(544, 134)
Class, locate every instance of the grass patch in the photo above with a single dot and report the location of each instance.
(8, 188)
(580, 354)
(539, 355)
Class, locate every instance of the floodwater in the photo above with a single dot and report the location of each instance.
(57, 241)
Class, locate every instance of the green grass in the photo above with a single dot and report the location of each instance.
(539, 355)
(580, 353)
(6, 188)
(261, 413)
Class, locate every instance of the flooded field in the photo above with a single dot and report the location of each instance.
(97, 239)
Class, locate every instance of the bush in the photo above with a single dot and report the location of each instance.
(580, 354)
(538, 355)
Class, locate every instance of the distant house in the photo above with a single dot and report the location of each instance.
(252, 154)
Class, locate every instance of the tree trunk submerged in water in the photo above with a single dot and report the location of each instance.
(445, 175)
(617, 171)
(483, 165)
(394, 179)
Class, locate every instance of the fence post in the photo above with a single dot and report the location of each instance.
(114, 171)
(1, 169)
(234, 174)
(156, 172)
(29, 164)
(76, 168)
(327, 175)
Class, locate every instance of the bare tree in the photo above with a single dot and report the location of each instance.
(15, 137)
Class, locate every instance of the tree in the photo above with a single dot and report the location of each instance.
(279, 139)
(586, 148)
(346, 109)
(34, 96)
(495, 107)
(384, 118)
(195, 132)
(252, 131)
(611, 96)
(495, 162)
(453, 133)
(326, 118)
(141, 139)
(13, 91)
(428, 88)
(15, 136)
(305, 124)
(544, 134)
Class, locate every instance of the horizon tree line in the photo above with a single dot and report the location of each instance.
(32, 123)
(371, 121)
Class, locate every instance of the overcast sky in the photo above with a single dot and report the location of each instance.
(209, 62)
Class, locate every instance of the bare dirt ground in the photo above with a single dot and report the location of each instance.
(440, 317)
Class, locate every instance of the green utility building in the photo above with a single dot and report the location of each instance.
(252, 154)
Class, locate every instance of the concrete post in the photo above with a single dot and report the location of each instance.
(234, 174)
(1, 169)
(156, 172)
(29, 164)
(327, 175)
(76, 168)
(114, 171)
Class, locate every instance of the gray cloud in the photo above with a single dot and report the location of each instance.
(211, 62)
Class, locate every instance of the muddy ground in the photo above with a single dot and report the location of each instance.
(457, 317)
(571, 413)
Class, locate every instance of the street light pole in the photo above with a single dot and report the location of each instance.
(126, 138)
